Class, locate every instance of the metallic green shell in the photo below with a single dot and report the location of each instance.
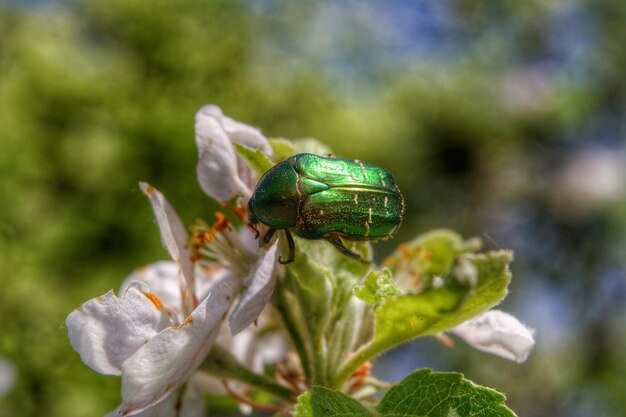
(355, 213)
(317, 197)
(336, 172)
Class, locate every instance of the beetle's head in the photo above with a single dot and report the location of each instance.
(276, 198)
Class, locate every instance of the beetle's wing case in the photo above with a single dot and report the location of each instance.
(354, 199)
(337, 172)
(354, 213)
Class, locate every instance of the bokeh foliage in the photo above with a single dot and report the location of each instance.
(475, 107)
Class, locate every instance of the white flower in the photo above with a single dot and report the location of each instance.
(499, 333)
(222, 173)
(144, 341)
(592, 179)
(170, 313)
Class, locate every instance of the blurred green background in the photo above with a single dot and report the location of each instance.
(499, 119)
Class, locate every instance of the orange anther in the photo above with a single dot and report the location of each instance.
(222, 223)
(239, 211)
(406, 251)
(363, 370)
(155, 300)
(359, 376)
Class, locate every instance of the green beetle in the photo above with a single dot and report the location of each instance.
(318, 197)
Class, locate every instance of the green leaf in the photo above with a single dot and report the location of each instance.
(311, 145)
(422, 394)
(303, 407)
(474, 284)
(283, 148)
(408, 316)
(428, 394)
(377, 287)
(344, 271)
(325, 402)
(257, 159)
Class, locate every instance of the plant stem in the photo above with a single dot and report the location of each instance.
(319, 362)
(222, 364)
(281, 302)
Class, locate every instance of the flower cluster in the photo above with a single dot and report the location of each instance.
(172, 316)
(171, 312)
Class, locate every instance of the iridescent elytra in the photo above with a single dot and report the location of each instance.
(318, 197)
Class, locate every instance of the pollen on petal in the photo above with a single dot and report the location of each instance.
(188, 321)
(149, 189)
(155, 300)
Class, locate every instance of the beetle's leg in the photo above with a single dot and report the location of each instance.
(267, 237)
(292, 249)
(256, 231)
(336, 240)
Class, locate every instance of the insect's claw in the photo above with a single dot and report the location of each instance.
(292, 248)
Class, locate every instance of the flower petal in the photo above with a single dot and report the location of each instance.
(162, 278)
(166, 408)
(241, 346)
(7, 376)
(166, 362)
(188, 403)
(218, 168)
(107, 330)
(239, 132)
(174, 237)
(207, 279)
(260, 288)
(498, 333)
(246, 135)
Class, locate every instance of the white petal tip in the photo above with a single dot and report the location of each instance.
(498, 333)
(146, 188)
